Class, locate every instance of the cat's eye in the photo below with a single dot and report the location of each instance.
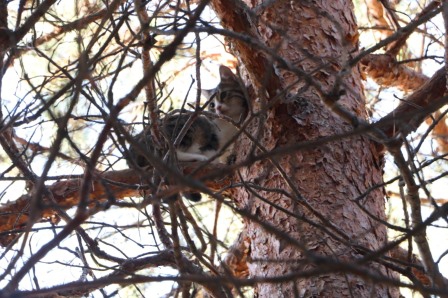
(212, 105)
(223, 94)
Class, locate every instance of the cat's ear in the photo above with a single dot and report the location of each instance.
(208, 93)
(226, 74)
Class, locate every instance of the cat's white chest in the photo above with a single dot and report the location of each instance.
(226, 131)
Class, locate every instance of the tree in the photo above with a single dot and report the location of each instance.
(310, 172)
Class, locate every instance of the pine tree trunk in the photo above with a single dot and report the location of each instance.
(326, 182)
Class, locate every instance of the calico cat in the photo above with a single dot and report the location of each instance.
(206, 137)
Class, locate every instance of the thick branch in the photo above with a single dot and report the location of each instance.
(387, 72)
(114, 185)
(416, 107)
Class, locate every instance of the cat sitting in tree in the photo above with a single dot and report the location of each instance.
(206, 136)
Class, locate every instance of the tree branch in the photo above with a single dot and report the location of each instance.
(402, 255)
(394, 47)
(112, 185)
(386, 71)
(32, 20)
(416, 107)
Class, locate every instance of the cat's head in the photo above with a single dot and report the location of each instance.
(228, 97)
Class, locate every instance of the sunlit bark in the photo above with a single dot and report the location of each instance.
(326, 182)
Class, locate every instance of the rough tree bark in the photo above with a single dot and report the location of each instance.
(313, 217)
(319, 37)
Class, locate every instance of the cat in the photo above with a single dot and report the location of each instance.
(206, 136)
(229, 100)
